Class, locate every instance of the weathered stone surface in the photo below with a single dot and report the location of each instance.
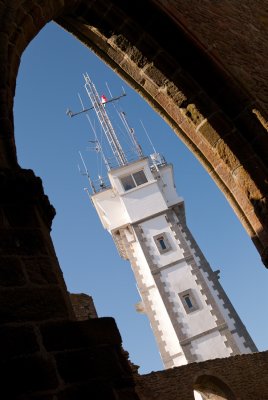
(31, 304)
(40, 270)
(75, 335)
(17, 341)
(83, 306)
(27, 374)
(244, 376)
(81, 365)
(21, 214)
(27, 242)
(227, 155)
(11, 272)
(215, 59)
(94, 390)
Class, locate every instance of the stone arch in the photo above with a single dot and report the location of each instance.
(216, 115)
(212, 388)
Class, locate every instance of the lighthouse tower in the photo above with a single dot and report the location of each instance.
(189, 312)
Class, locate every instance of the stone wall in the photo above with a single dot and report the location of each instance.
(232, 33)
(241, 377)
(83, 306)
(163, 50)
(45, 352)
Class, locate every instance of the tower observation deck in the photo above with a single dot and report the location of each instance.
(190, 314)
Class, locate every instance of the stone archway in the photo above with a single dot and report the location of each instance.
(207, 106)
(213, 388)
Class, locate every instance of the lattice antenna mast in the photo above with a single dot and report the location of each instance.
(105, 121)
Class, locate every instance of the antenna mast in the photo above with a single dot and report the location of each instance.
(131, 135)
(87, 174)
(105, 121)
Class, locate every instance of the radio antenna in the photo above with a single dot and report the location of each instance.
(99, 107)
(87, 174)
(148, 137)
(98, 144)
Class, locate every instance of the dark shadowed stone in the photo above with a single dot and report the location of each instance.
(40, 270)
(94, 390)
(34, 304)
(21, 214)
(27, 374)
(81, 365)
(83, 306)
(11, 272)
(26, 242)
(16, 341)
(79, 334)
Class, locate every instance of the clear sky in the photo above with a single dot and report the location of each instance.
(48, 142)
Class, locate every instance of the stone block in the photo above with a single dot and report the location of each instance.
(81, 365)
(27, 375)
(121, 42)
(20, 215)
(95, 390)
(127, 394)
(155, 75)
(227, 155)
(40, 270)
(148, 47)
(80, 334)
(83, 306)
(31, 304)
(11, 272)
(21, 242)
(209, 133)
(17, 341)
(35, 396)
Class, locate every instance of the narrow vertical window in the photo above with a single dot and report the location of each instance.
(162, 243)
(188, 301)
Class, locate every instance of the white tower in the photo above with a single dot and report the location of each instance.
(189, 312)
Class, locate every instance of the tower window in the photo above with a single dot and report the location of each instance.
(139, 177)
(188, 301)
(133, 180)
(162, 243)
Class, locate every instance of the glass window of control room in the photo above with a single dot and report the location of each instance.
(133, 180)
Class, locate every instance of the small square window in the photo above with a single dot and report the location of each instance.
(133, 180)
(139, 177)
(128, 182)
(162, 243)
(188, 301)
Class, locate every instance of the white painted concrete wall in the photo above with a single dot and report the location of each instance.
(110, 209)
(117, 208)
(166, 184)
(164, 324)
(210, 347)
(225, 312)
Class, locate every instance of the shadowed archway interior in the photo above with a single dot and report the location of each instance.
(213, 98)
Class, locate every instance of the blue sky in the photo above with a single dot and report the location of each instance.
(48, 142)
